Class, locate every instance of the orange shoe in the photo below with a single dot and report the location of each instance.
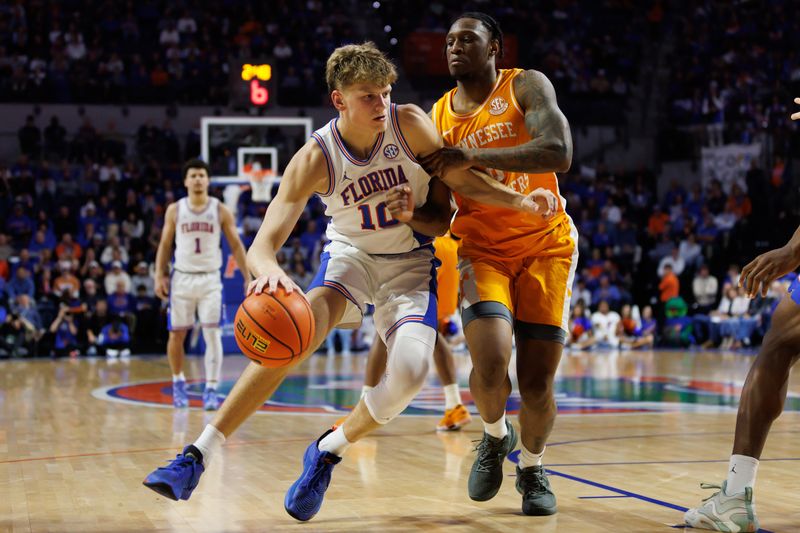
(339, 421)
(454, 419)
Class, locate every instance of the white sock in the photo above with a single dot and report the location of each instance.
(741, 473)
(178, 377)
(528, 458)
(212, 384)
(364, 390)
(497, 429)
(209, 442)
(335, 442)
(452, 396)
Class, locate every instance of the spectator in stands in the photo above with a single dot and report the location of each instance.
(114, 246)
(705, 288)
(21, 283)
(674, 261)
(657, 223)
(670, 285)
(68, 249)
(605, 324)
(66, 283)
(19, 226)
(632, 333)
(114, 277)
(28, 316)
(580, 293)
(115, 339)
(90, 294)
(690, 252)
(581, 335)
(142, 278)
(65, 330)
(96, 319)
(608, 293)
(122, 303)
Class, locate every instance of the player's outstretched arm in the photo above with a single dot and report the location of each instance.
(759, 274)
(161, 286)
(550, 147)
(424, 139)
(237, 247)
(796, 116)
(307, 172)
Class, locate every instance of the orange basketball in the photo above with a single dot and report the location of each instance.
(274, 329)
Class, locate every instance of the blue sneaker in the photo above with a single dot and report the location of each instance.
(305, 496)
(179, 396)
(210, 399)
(179, 478)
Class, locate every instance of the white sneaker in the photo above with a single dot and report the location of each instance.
(722, 512)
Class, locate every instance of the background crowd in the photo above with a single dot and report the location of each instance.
(81, 209)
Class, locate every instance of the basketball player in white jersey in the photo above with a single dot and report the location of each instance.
(364, 166)
(194, 224)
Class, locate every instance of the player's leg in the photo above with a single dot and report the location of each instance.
(181, 313)
(542, 298)
(405, 316)
(762, 401)
(456, 415)
(209, 311)
(256, 384)
(486, 315)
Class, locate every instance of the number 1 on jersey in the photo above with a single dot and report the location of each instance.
(197, 245)
(384, 219)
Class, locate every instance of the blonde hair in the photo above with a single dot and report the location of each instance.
(359, 63)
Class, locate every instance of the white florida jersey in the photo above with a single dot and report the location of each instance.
(197, 237)
(356, 195)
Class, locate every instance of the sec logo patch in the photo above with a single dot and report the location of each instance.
(498, 106)
(391, 151)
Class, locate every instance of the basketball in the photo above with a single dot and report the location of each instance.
(274, 329)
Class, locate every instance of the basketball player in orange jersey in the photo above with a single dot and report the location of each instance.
(732, 507)
(195, 224)
(516, 269)
(355, 163)
(456, 414)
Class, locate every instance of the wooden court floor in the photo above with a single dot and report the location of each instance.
(637, 433)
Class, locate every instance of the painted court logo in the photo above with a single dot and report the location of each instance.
(391, 151)
(498, 106)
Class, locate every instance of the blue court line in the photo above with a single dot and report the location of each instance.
(667, 462)
(600, 497)
(654, 435)
(641, 497)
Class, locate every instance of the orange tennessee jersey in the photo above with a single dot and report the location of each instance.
(498, 122)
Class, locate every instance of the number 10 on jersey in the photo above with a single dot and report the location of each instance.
(384, 219)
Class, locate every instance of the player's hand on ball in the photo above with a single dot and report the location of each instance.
(270, 281)
(541, 202)
(400, 203)
(162, 287)
(796, 116)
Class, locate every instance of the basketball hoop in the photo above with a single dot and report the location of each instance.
(261, 181)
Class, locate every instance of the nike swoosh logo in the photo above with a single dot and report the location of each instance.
(444, 134)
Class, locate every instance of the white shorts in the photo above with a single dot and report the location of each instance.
(402, 287)
(190, 293)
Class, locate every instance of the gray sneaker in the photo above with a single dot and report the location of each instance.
(724, 512)
(537, 497)
(486, 475)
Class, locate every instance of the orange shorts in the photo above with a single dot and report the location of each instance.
(446, 276)
(532, 292)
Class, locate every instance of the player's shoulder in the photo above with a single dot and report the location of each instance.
(418, 129)
(411, 113)
(531, 81)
